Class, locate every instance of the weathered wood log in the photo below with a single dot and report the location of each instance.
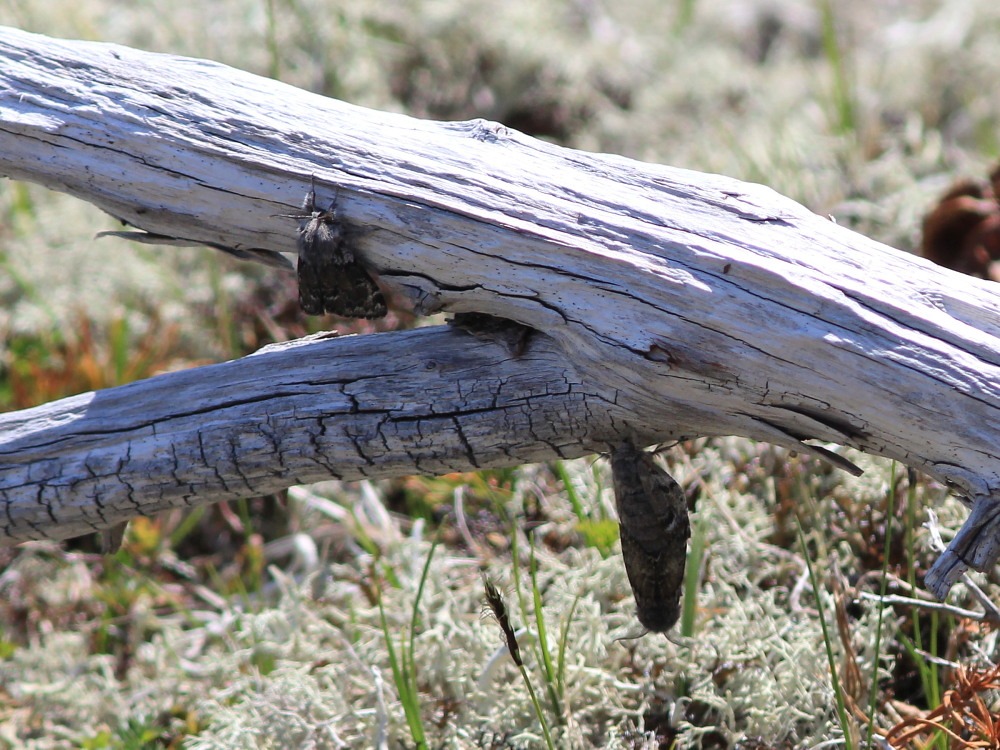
(667, 303)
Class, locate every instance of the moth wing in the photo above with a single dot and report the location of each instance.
(654, 529)
(667, 503)
(656, 584)
(345, 290)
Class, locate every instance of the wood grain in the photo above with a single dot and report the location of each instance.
(692, 303)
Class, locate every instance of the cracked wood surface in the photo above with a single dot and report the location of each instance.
(431, 400)
(692, 303)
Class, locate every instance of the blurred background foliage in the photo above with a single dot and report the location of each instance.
(256, 624)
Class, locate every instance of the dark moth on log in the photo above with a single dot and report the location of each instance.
(664, 303)
(654, 529)
(331, 279)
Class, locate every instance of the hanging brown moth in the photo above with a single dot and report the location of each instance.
(654, 529)
(331, 279)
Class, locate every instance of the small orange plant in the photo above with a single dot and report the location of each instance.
(963, 716)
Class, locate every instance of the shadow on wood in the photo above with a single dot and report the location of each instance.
(667, 304)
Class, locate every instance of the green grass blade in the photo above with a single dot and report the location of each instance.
(563, 642)
(404, 683)
(538, 708)
(916, 656)
(404, 668)
(846, 120)
(496, 603)
(543, 639)
(929, 674)
(271, 37)
(559, 468)
(188, 523)
(831, 660)
(685, 15)
(414, 620)
(890, 513)
(692, 574)
(516, 571)
(515, 554)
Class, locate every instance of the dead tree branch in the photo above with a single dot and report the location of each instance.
(667, 303)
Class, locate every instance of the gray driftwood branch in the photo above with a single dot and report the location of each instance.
(667, 304)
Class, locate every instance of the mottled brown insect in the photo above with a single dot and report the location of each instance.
(654, 528)
(331, 280)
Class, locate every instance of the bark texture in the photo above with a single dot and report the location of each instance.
(667, 304)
